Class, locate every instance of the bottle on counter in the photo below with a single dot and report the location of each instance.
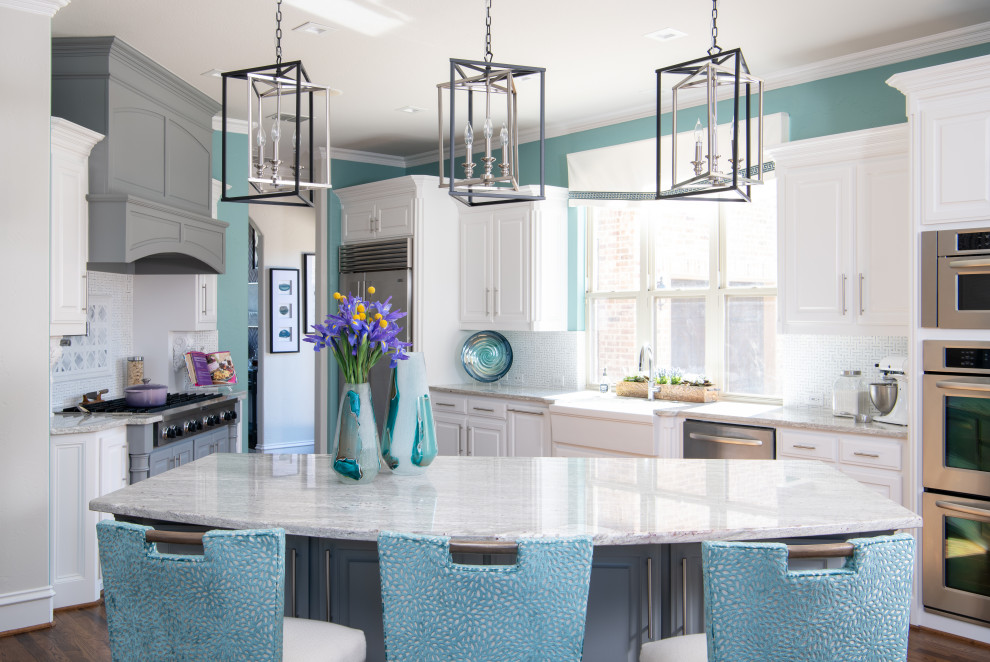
(850, 395)
(603, 385)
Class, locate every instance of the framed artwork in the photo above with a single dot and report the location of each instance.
(309, 278)
(283, 310)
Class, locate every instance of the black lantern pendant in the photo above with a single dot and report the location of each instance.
(286, 114)
(709, 176)
(490, 86)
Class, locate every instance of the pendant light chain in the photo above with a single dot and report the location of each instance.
(278, 32)
(715, 47)
(488, 30)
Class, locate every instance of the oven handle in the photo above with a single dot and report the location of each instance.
(963, 385)
(962, 264)
(972, 511)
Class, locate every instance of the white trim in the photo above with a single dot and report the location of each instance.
(891, 140)
(367, 157)
(942, 79)
(44, 7)
(28, 608)
(233, 125)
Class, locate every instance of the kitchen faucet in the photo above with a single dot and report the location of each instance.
(646, 353)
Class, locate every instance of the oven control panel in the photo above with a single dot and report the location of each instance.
(967, 357)
(973, 241)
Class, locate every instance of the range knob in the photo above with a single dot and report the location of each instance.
(189, 427)
(233, 415)
(210, 421)
(164, 432)
(170, 432)
(178, 430)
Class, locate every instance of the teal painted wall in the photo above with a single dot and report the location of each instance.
(851, 102)
(232, 286)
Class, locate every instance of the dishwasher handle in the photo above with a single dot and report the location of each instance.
(738, 441)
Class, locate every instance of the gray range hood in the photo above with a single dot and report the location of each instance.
(150, 187)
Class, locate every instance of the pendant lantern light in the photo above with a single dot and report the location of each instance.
(288, 124)
(710, 176)
(485, 94)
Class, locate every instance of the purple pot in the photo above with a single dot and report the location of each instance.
(145, 395)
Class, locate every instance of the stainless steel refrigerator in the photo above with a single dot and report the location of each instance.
(387, 265)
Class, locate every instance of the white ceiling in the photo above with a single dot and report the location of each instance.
(385, 54)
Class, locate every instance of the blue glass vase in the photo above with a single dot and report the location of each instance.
(356, 454)
(409, 440)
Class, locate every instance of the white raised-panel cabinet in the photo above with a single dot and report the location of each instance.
(948, 109)
(486, 438)
(450, 430)
(382, 213)
(357, 221)
(844, 233)
(83, 467)
(495, 427)
(513, 259)
(70, 148)
(528, 431)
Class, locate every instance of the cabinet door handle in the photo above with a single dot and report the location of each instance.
(862, 310)
(497, 301)
(804, 447)
(292, 594)
(487, 294)
(859, 454)
(326, 568)
(204, 298)
(461, 441)
(684, 596)
(845, 279)
(649, 598)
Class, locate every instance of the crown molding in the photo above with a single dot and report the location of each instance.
(233, 125)
(891, 140)
(43, 7)
(943, 78)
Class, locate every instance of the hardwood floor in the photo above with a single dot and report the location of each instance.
(80, 635)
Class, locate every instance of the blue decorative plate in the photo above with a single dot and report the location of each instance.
(486, 356)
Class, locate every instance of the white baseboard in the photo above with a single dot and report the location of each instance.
(952, 626)
(24, 609)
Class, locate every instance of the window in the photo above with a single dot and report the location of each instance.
(695, 280)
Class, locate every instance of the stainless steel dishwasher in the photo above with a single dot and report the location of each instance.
(725, 441)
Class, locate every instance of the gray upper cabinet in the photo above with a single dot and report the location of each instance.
(150, 178)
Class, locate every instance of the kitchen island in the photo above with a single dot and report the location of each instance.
(633, 509)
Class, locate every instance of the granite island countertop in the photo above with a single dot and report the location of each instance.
(617, 501)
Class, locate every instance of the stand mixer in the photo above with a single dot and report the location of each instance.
(890, 395)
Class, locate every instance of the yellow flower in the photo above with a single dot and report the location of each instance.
(355, 317)
(371, 289)
(378, 316)
(337, 295)
(383, 323)
(362, 317)
(360, 308)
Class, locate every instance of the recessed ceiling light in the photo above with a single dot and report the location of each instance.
(212, 72)
(665, 34)
(410, 109)
(312, 28)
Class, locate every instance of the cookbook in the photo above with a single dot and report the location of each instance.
(210, 369)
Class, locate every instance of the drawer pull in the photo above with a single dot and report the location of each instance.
(444, 404)
(523, 411)
(490, 411)
(859, 454)
(805, 447)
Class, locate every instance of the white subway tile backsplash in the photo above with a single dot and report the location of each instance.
(546, 359)
(809, 364)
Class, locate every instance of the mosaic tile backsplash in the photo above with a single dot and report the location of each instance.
(809, 364)
(98, 360)
(543, 358)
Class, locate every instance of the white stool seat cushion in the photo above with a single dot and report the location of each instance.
(690, 648)
(319, 641)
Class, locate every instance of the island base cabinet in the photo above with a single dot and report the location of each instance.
(623, 599)
(297, 576)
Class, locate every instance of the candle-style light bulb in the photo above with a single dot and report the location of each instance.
(697, 147)
(503, 137)
(275, 130)
(488, 129)
(697, 132)
(468, 139)
(261, 136)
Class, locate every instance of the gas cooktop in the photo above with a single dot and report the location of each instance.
(120, 406)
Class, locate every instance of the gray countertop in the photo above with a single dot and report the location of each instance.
(617, 501)
(542, 395)
(73, 423)
(804, 418)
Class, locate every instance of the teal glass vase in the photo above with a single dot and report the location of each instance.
(356, 453)
(409, 439)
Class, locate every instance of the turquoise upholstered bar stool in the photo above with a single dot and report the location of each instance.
(224, 605)
(437, 610)
(757, 610)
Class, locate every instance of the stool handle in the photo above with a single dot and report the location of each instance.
(177, 537)
(482, 547)
(830, 551)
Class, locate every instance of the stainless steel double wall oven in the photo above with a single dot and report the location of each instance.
(956, 503)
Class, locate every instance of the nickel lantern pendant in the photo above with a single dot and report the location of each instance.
(485, 95)
(288, 125)
(698, 171)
